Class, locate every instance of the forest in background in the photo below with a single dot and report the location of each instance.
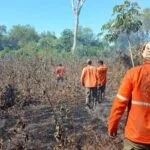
(24, 40)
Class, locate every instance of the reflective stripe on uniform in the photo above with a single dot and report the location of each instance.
(122, 97)
(140, 103)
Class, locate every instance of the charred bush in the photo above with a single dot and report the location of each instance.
(8, 97)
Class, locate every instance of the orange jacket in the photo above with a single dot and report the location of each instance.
(101, 74)
(133, 93)
(89, 76)
(60, 70)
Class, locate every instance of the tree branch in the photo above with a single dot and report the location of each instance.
(72, 4)
(81, 4)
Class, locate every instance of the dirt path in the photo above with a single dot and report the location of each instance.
(40, 126)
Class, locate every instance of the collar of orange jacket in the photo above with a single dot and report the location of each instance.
(147, 62)
(89, 65)
(102, 65)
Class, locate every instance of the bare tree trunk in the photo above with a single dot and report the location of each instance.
(75, 33)
(131, 55)
(76, 8)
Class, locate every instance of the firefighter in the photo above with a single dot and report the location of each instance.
(89, 81)
(60, 71)
(102, 78)
(134, 93)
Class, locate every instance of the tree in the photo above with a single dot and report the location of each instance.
(85, 35)
(47, 43)
(47, 40)
(21, 34)
(2, 37)
(112, 35)
(146, 21)
(76, 7)
(2, 29)
(88, 43)
(67, 39)
(126, 20)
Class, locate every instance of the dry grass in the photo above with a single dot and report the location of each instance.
(43, 115)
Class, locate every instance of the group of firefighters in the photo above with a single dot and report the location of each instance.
(94, 80)
(133, 95)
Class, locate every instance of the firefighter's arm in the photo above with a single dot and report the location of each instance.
(121, 101)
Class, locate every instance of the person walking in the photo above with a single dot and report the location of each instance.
(60, 71)
(89, 81)
(134, 93)
(102, 78)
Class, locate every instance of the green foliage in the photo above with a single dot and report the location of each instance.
(146, 21)
(126, 20)
(23, 41)
(125, 23)
(47, 40)
(2, 29)
(2, 37)
(67, 39)
(20, 35)
(85, 36)
(127, 17)
(7, 53)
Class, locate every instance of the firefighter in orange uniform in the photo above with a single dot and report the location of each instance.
(102, 77)
(134, 93)
(60, 70)
(89, 81)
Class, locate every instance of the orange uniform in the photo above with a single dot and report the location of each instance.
(133, 93)
(89, 76)
(101, 74)
(60, 70)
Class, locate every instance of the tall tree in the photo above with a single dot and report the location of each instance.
(76, 7)
(126, 20)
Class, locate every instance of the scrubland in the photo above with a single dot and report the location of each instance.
(38, 114)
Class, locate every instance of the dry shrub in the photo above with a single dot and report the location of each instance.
(33, 84)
